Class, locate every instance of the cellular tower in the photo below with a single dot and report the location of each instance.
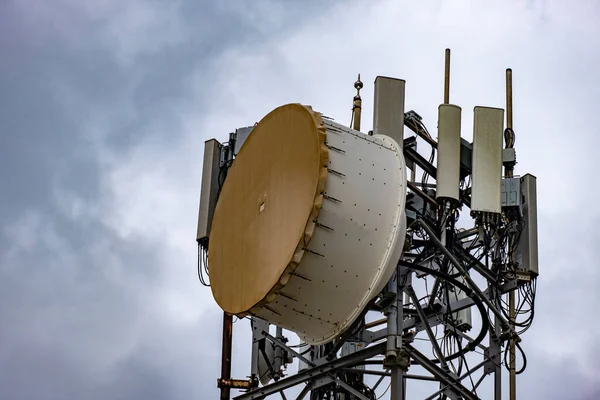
(358, 278)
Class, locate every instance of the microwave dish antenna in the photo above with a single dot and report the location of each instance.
(301, 189)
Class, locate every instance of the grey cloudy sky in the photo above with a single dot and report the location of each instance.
(104, 108)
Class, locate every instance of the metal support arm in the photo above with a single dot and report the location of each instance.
(315, 372)
(425, 165)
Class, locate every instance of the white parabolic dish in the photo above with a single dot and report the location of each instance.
(310, 224)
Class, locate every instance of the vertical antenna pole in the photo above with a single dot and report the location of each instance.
(447, 78)
(509, 137)
(395, 327)
(357, 106)
(511, 360)
(496, 344)
(509, 134)
(226, 354)
(509, 105)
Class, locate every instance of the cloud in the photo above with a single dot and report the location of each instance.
(97, 259)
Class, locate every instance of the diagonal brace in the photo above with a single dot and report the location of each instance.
(411, 293)
(444, 376)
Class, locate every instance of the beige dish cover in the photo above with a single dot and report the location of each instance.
(267, 208)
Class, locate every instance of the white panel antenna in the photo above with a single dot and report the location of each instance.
(487, 160)
(448, 162)
(388, 108)
(210, 188)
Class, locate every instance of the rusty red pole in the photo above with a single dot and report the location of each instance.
(226, 354)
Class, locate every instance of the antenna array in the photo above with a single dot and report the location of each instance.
(381, 288)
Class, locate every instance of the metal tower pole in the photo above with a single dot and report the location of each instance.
(226, 354)
(447, 78)
(511, 295)
(394, 339)
(357, 105)
(495, 350)
(511, 360)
